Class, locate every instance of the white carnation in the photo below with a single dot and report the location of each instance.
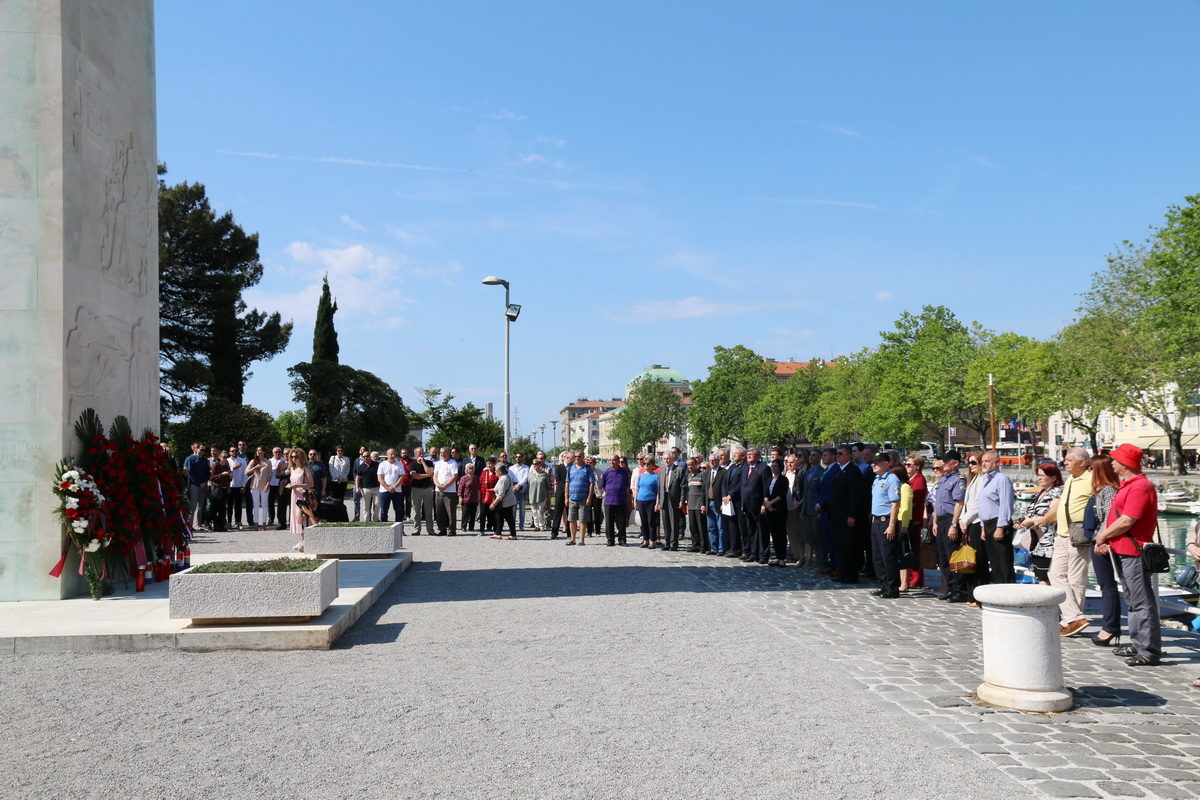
(72, 502)
(92, 546)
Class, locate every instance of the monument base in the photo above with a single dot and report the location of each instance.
(1024, 700)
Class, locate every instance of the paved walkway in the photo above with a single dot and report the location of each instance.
(528, 669)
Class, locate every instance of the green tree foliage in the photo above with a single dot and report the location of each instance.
(460, 427)
(578, 445)
(737, 378)
(292, 428)
(325, 338)
(361, 409)
(218, 422)
(1083, 382)
(1151, 292)
(325, 351)
(208, 337)
(651, 411)
(523, 445)
(850, 390)
(787, 414)
(448, 426)
(1021, 368)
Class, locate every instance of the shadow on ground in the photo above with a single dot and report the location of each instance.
(1108, 697)
(426, 582)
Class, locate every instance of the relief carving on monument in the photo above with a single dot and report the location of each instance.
(124, 247)
(108, 366)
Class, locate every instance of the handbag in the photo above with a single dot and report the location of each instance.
(907, 558)
(1155, 557)
(1079, 537)
(963, 560)
(1024, 539)
(929, 557)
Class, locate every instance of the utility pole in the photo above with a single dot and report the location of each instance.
(992, 407)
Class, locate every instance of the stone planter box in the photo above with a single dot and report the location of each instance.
(363, 541)
(253, 596)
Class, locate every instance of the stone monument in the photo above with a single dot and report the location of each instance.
(78, 253)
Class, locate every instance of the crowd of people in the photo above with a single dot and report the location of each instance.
(847, 512)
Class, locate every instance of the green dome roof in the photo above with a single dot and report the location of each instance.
(657, 372)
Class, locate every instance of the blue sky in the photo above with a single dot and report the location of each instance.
(658, 178)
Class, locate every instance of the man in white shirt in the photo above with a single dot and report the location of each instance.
(390, 474)
(519, 474)
(445, 492)
(237, 490)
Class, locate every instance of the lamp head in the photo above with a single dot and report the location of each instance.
(512, 312)
(492, 280)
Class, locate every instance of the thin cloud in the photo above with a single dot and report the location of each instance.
(353, 224)
(504, 115)
(842, 131)
(355, 162)
(883, 295)
(695, 308)
(803, 201)
(535, 159)
(499, 176)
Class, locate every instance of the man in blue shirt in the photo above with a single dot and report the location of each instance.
(947, 506)
(581, 483)
(198, 469)
(995, 514)
(885, 512)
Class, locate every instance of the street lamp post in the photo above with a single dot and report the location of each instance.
(511, 312)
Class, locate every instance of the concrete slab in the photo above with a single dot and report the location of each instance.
(131, 622)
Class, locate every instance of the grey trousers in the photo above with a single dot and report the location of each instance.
(422, 506)
(445, 506)
(1145, 628)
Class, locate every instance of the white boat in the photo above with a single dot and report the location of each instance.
(1185, 507)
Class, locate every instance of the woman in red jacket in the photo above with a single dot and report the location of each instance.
(487, 493)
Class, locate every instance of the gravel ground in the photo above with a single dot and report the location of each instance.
(491, 669)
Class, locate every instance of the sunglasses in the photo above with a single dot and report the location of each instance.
(973, 463)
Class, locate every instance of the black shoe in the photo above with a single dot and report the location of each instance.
(553, 535)
(451, 533)
(876, 592)
(416, 533)
(675, 547)
(732, 554)
(280, 528)
(610, 543)
(956, 598)
(889, 595)
(746, 558)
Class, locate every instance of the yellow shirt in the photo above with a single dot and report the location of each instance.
(1075, 494)
(905, 514)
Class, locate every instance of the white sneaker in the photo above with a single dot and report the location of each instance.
(298, 547)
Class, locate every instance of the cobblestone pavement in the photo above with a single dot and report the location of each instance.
(529, 669)
(1133, 733)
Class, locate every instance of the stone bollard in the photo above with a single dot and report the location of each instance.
(1022, 648)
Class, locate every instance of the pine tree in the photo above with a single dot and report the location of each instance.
(208, 337)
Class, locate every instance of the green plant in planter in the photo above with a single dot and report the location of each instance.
(285, 564)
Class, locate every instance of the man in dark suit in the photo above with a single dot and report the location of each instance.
(844, 502)
(714, 486)
(733, 494)
(672, 484)
(559, 477)
(756, 538)
(776, 512)
(472, 457)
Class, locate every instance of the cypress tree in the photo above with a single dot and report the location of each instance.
(325, 342)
